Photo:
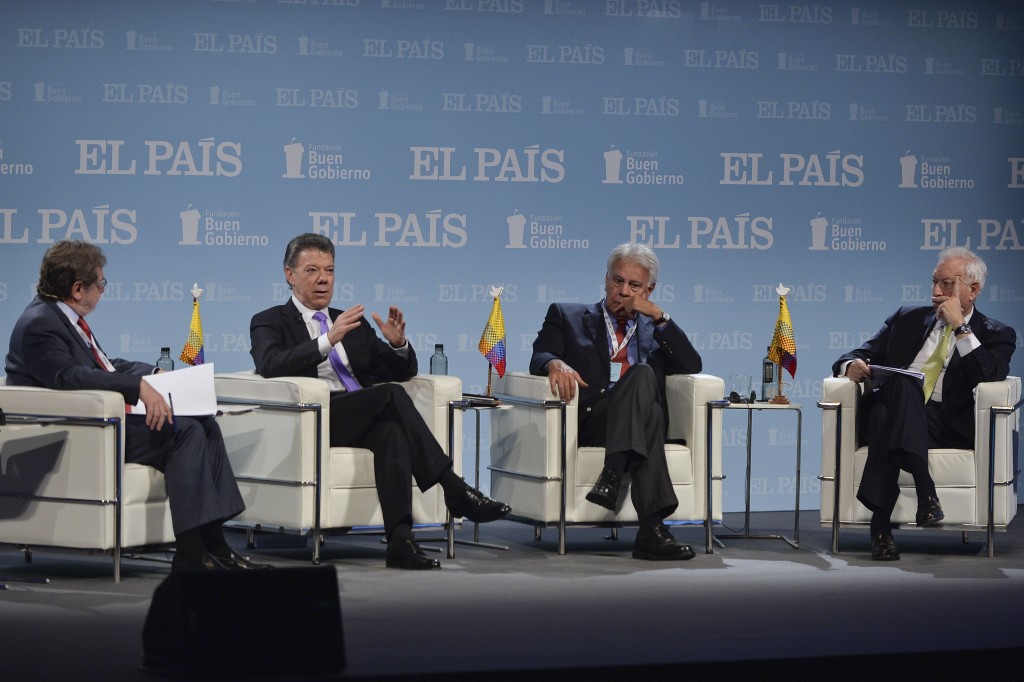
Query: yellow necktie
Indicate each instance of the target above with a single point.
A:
(934, 364)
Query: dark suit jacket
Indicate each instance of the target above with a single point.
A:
(577, 334)
(47, 351)
(904, 332)
(281, 347)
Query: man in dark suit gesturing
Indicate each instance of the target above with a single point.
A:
(956, 347)
(52, 346)
(618, 351)
(304, 337)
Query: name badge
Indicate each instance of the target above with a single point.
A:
(616, 371)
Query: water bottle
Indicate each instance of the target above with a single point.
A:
(165, 362)
(767, 377)
(438, 361)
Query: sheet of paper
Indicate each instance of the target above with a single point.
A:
(880, 371)
(189, 392)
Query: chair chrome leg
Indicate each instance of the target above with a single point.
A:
(965, 537)
(537, 533)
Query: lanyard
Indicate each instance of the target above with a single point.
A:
(613, 343)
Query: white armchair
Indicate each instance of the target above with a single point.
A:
(63, 479)
(544, 489)
(977, 487)
(292, 480)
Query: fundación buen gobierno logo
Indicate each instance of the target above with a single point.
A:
(319, 162)
(636, 167)
(930, 172)
(841, 234)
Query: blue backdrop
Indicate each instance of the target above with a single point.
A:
(448, 145)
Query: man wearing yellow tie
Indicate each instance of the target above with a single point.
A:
(956, 348)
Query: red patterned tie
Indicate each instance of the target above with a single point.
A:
(622, 356)
(96, 353)
(92, 342)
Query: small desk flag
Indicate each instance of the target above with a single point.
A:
(192, 353)
(783, 348)
(492, 342)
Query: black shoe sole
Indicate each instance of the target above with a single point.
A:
(600, 501)
(651, 556)
(401, 563)
(502, 513)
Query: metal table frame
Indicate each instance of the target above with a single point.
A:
(718, 405)
(466, 405)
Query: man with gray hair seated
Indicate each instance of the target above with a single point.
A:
(618, 351)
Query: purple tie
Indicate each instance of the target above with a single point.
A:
(347, 380)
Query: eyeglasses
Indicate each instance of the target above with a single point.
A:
(948, 283)
(634, 286)
(102, 284)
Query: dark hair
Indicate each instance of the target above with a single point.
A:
(65, 263)
(304, 242)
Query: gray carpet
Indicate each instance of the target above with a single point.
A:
(752, 607)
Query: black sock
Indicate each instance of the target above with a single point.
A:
(616, 461)
(880, 523)
(213, 537)
(190, 544)
(451, 483)
(402, 531)
(648, 523)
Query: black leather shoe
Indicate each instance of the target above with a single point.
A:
(408, 555)
(239, 562)
(883, 547)
(657, 544)
(207, 563)
(929, 513)
(605, 492)
(477, 507)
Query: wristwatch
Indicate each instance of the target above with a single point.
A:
(962, 329)
(665, 318)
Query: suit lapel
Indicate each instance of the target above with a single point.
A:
(76, 335)
(644, 337)
(593, 325)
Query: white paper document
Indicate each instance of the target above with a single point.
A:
(189, 392)
(879, 372)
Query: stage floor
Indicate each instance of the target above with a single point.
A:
(594, 613)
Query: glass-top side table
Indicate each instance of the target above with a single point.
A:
(476, 406)
(746, 534)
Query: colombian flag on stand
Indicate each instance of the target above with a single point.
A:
(783, 348)
(192, 353)
(492, 342)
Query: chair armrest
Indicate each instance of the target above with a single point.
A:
(688, 396)
(528, 387)
(255, 388)
(1005, 393)
(54, 403)
(840, 390)
(431, 394)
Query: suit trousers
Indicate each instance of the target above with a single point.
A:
(897, 424)
(382, 418)
(629, 419)
(200, 484)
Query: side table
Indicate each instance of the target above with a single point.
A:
(467, 404)
(750, 409)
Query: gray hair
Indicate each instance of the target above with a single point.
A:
(973, 264)
(641, 254)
